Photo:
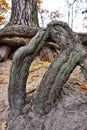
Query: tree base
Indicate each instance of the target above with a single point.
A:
(15, 36)
(70, 113)
(52, 107)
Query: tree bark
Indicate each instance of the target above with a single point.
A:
(19, 87)
(22, 25)
(24, 13)
(48, 97)
(19, 35)
(71, 53)
(18, 31)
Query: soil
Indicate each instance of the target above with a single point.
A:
(37, 70)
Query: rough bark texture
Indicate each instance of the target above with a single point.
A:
(24, 61)
(22, 32)
(23, 13)
(22, 25)
(17, 35)
(60, 70)
(18, 31)
(54, 106)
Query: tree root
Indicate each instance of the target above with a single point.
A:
(49, 92)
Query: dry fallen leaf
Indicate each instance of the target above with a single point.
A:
(39, 65)
(3, 125)
(84, 87)
(28, 91)
(46, 64)
(33, 78)
(35, 67)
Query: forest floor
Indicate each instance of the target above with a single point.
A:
(37, 70)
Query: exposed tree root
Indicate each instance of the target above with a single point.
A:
(71, 53)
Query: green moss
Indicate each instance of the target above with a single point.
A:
(74, 57)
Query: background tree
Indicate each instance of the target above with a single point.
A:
(75, 8)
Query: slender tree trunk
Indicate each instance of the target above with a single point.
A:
(72, 16)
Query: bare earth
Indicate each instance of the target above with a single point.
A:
(37, 70)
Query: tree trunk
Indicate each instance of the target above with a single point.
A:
(24, 12)
(22, 25)
(40, 108)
